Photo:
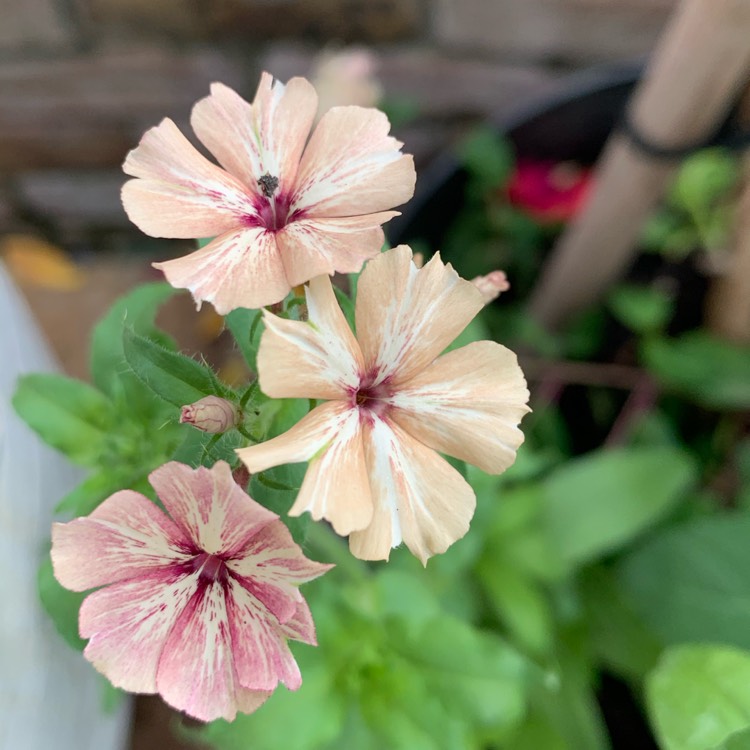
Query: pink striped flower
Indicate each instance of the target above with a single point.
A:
(197, 607)
(392, 402)
(284, 208)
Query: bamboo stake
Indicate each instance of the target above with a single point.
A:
(728, 302)
(697, 71)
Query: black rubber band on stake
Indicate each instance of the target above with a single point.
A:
(727, 136)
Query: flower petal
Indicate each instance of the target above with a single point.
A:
(271, 567)
(315, 359)
(180, 194)
(468, 404)
(405, 317)
(261, 655)
(241, 268)
(127, 535)
(209, 506)
(311, 247)
(128, 624)
(336, 485)
(265, 137)
(418, 497)
(196, 669)
(351, 166)
(300, 627)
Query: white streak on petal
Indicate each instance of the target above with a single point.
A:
(127, 535)
(468, 404)
(196, 671)
(405, 317)
(351, 166)
(418, 497)
(241, 268)
(262, 656)
(180, 193)
(319, 358)
(312, 433)
(209, 506)
(128, 624)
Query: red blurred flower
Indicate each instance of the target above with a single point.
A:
(549, 192)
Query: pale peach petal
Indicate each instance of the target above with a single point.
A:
(419, 497)
(128, 624)
(196, 671)
(336, 486)
(127, 535)
(241, 268)
(315, 359)
(405, 317)
(468, 404)
(312, 433)
(180, 194)
(261, 655)
(311, 247)
(209, 506)
(267, 137)
(271, 566)
(351, 166)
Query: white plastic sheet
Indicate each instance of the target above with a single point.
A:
(50, 697)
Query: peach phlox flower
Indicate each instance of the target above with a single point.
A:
(197, 607)
(391, 403)
(283, 209)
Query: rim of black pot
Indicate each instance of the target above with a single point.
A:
(524, 125)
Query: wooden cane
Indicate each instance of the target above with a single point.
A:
(698, 69)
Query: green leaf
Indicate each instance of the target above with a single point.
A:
(617, 634)
(60, 604)
(66, 413)
(737, 741)
(96, 488)
(596, 504)
(276, 489)
(521, 605)
(302, 720)
(174, 377)
(703, 179)
(711, 372)
(690, 583)
(476, 674)
(642, 309)
(488, 157)
(136, 310)
(699, 695)
(247, 327)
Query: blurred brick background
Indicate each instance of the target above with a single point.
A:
(80, 80)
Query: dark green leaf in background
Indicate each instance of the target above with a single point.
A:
(60, 604)
(596, 504)
(692, 582)
(711, 372)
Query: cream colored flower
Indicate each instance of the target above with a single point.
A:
(284, 208)
(392, 402)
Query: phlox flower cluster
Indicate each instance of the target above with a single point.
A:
(197, 603)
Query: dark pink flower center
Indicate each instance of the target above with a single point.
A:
(211, 568)
(371, 398)
(272, 206)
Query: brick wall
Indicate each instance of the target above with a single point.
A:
(80, 80)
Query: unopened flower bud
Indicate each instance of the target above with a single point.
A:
(210, 414)
(491, 285)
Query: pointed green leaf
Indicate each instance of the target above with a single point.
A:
(173, 377)
(66, 413)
